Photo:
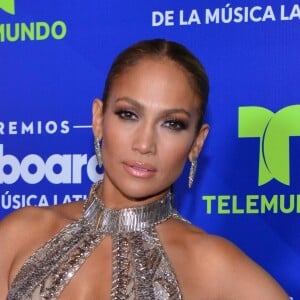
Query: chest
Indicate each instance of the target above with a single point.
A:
(84, 265)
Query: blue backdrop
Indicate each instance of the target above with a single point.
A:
(54, 56)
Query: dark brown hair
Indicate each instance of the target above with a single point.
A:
(160, 48)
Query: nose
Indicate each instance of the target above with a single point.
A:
(144, 140)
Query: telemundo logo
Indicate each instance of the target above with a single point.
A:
(8, 6)
(32, 31)
(274, 131)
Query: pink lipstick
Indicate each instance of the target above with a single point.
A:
(139, 169)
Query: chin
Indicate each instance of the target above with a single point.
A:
(139, 191)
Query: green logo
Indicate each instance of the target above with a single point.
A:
(8, 6)
(274, 131)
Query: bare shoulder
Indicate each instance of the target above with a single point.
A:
(240, 276)
(25, 230)
(215, 266)
(37, 222)
(31, 217)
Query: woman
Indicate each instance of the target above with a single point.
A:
(127, 241)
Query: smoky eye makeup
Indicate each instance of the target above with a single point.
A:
(131, 110)
(126, 111)
(176, 123)
(126, 114)
(126, 108)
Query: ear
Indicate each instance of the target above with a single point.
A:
(199, 142)
(98, 118)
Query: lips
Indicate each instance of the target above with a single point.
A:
(139, 169)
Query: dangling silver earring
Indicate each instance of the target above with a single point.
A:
(192, 172)
(98, 151)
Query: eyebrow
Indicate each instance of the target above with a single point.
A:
(130, 101)
(141, 107)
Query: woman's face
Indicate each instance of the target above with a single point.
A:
(149, 128)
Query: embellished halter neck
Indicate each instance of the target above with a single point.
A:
(127, 219)
(141, 269)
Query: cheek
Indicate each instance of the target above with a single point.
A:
(113, 145)
(113, 139)
(175, 152)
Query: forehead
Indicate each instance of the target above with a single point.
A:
(155, 79)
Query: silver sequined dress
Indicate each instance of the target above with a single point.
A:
(141, 269)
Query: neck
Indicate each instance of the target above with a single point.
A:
(114, 198)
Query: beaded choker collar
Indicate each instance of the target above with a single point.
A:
(126, 219)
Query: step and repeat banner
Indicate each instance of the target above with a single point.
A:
(54, 56)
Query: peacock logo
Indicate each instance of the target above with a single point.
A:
(8, 6)
(274, 131)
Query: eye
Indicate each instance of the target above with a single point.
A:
(126, 114)
(176, 125)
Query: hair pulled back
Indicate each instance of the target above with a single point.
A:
(159, 49)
